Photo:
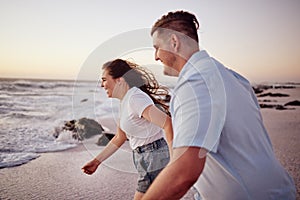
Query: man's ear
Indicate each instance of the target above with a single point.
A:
(175, 43)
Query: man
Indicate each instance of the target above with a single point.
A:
(220, 143)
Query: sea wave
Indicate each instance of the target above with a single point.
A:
(30, 110)
(15, 159)
(10, 84)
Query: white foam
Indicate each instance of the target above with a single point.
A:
(15, 159)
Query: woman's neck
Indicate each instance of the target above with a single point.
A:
(122, 91)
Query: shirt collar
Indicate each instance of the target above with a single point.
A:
(199, 55)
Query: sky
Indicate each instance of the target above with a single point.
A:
(53, 39)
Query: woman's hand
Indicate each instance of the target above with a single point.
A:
(110, 149)
(91, 166)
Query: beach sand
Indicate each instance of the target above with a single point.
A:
(58, 175)
(283, 127)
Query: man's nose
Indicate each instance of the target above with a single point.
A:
(156, 57)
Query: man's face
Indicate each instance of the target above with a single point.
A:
(163, 53)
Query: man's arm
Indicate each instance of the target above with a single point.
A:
(182, 172)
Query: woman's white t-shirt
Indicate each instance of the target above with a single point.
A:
(139, 131)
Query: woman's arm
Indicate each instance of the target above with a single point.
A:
(110, 148)
(161, 119)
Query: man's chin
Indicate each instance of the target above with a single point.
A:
(169, 71)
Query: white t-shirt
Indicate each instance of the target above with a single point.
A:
(139, 131)
(216, 109)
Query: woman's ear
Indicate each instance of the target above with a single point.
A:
(122, 80)
(117, 80)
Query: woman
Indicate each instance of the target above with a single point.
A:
(143, 120)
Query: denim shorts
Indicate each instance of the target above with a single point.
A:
(149, 160)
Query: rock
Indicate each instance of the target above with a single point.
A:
(266, 105)
(280, 107)
(104, 139)
(276, 106)
(81, 129)
(273, 95)
(69, 125)
(87, 128)
(293, 103)
(266, 100)
(257, 90)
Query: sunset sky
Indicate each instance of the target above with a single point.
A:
(51, 39)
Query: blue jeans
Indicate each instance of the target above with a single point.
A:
(149, 160)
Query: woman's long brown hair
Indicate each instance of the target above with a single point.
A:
(139, 77)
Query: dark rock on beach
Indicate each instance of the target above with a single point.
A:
(275, 86)
(276, 106)
(293, 103)
(273, 95)
(85, 128)
(266, 100)
(81, 129)
(69, 125)
(270, 90)
(257, 90)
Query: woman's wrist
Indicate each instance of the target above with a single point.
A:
(97, 161)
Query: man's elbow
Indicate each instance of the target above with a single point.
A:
(192, 176)
(190, 166)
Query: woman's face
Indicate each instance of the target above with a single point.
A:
(108, 83)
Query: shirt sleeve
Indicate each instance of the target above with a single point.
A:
(139, 102)
(199, 109)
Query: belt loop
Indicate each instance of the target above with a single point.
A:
(155, 145)
(158, 143)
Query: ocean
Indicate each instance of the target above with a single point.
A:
(31, 111)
